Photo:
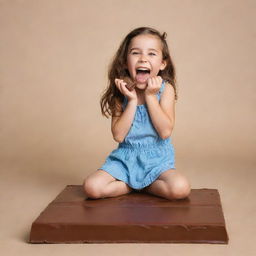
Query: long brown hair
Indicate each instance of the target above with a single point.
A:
(117, 69)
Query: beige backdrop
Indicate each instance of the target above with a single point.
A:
(54, 57)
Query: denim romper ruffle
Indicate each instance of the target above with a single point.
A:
(143, 155)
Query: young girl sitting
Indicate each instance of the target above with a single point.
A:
(140, 99)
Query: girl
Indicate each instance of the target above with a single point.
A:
(142, 121)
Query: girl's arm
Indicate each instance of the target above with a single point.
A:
(120, 125)
(162, 113)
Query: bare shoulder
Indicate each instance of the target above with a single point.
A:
(168, 92)
(168, 95)
(167, 101)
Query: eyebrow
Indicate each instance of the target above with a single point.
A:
(151, 49)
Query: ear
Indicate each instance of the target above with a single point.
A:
(163, 65)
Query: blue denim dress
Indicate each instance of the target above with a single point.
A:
(143, 155)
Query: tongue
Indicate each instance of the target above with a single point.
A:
(142, 77)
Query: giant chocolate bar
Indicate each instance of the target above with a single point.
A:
(137, 217)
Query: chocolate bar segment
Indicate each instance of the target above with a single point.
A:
(130, 83)
(133, 218)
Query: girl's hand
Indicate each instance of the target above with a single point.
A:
(121, 85)
(154, 85)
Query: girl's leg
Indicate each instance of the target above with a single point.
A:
(171, 184)
(101, 184)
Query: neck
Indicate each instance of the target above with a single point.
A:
(141, 96)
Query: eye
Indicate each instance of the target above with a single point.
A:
(151, 53)
(135, 53)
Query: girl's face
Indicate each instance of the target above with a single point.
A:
(144, 59)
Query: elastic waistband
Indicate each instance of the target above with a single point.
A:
(157, 144)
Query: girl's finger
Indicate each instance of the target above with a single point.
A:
(150, 81)
(117, 84)
(125, 87)
(154, 81)
(126, 91)
(122, 87)
(116, 81)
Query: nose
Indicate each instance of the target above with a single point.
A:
(142, 58)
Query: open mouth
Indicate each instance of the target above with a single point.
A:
(142, 75)
(142, 71)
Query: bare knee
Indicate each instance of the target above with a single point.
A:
(92, 189)
(180, 189)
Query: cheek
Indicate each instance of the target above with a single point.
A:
(130, 64)
(158, 64)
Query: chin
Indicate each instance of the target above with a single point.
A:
(141, 86)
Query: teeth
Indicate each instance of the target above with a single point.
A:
(143, 69)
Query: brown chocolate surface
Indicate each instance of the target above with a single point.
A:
(133, 218)
(130, 83)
